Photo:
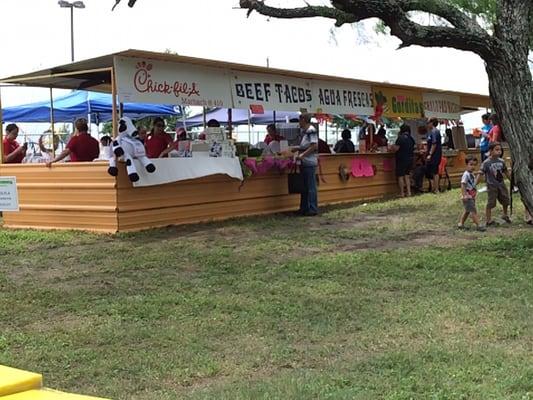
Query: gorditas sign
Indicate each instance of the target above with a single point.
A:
(151, 81)
(392, 102)
(273, 92)
(443, 106)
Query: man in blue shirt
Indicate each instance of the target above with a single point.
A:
(434, 153)
(484, 142)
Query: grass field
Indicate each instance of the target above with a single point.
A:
(378, 301)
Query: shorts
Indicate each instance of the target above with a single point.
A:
(499, 193)
(470, 205)
(432, 169)
(403, 168)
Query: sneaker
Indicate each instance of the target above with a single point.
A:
(461, 227)
(530, 222)
(506, 219)
(490, 223)
(481, 228)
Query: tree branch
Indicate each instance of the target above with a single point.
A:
(466, 34)
(301, 12)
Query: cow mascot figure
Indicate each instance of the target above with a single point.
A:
(129, 147)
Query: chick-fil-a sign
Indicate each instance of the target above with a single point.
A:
(153, 81)
(143, 83)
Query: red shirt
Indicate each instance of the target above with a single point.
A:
(9, 147)
(83, 147)
(495, 134)
(269, 139)
(155, 144)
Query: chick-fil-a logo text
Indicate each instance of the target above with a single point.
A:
(144, 84)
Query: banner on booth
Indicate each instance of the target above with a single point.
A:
(342, 98)
(273, 92)
(444, 106)
(152, 81)
(402, 103)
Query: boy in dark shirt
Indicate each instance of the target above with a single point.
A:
(494, 169)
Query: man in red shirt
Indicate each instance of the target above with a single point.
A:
(13, 152)
(81, 147)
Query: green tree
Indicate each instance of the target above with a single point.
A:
(498, 31)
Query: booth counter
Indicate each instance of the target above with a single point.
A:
(83, 196)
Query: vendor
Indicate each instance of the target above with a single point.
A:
(380, 139)
(81, 146)
(345, 145)
(272, 134)
(158, 140)
(181, 135)
(142, 134)
(13, 152)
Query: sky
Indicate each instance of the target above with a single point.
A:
(36, 34)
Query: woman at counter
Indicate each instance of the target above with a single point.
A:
(158, 140)
(272, 134)
(404, 149)
(345, 145)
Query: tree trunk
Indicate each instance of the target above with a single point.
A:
(511, 91)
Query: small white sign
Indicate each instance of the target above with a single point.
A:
(9, 200)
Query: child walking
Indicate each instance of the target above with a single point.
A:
(469, 192)
(494, 169)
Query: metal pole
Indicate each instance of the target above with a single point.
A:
(249, 128)
(204, 118)
(114, 102)
(52, 123)
(230, 127)
(72, 33)
(183, 119)
(1, 131)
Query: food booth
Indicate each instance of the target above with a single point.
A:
(84, 196)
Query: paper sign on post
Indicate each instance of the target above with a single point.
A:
(8, 194)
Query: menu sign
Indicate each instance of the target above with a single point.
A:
(439, 105)
(341, 98)
(8, 194)
(273, 92)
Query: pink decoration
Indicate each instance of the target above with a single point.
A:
(251, 163)
(361, 167)
(388, 165)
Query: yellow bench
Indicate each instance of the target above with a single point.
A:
(16, 384)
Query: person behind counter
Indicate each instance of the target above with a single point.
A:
(272, 134)
(404, 149)
(380, 139)
(81, 146)
(345, 145)
(308, 157)
(158, 140)
(434, 154)
(181, 135)
(14, 153)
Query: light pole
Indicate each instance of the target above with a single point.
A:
(72, 6)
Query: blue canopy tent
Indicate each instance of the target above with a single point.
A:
(240, 117)
(80, 104)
